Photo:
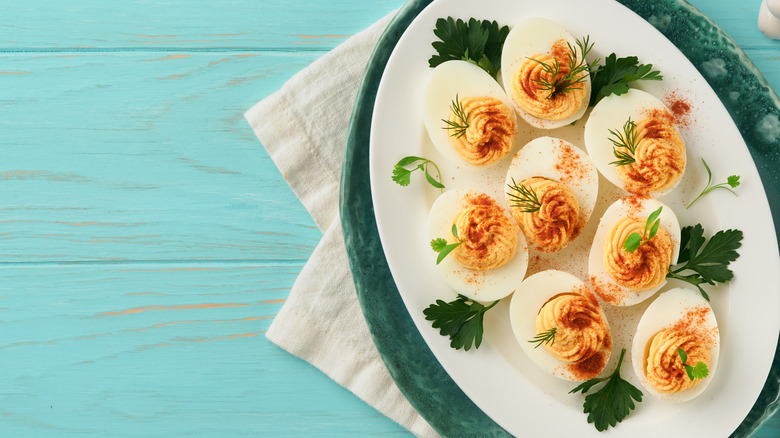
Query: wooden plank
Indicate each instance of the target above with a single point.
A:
(160, 350)
(170, 25)
(137, 156)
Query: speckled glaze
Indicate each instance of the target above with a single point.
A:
(745, 93)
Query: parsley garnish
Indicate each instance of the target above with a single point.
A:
(624, 140)
(699, 371)
(613, 402)
(634, 240)
(479, 42)
(403, 176)
(576, 69)
(440, 245)
(460, 125)
(709, 262)
(461, 320)
(523, 197)
(614, 76)
(546, 337)
(731, 183)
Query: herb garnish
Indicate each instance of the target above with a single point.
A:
(524, 198)
(546, 337)
(709, 262)
(440, 245)
(614, 76)
(613, 402)
(575, 71)
(624, 140)
(403, 176)
(732, 182)
(699, 371)
(460, 125)
(461, 320)
(634, 240)
(479, 42)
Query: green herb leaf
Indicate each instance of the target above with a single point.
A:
(613, 402)
(460, 319)
(699, 371)
(624, 144)
(479, 42)
(457, 127)
(709, 262)
(632, 243)
(440, 245)
(732, 182)
(559, 80)
(403, 176)
(524, 198)
(546, 337)
(614, 76)
(634, 240)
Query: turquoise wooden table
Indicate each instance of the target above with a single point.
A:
(148, 240)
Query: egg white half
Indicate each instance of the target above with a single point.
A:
(628, 206)
(527, 300)
(611, 113)
(529, 38)
(666, 311)
(561, 161)
(446, 81)
(489, 285)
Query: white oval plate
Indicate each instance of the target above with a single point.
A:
(498, 377)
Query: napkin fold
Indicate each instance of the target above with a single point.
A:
(303, 126)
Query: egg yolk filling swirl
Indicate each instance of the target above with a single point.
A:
(490, 133)
(582, 336)
(662, 364)
(488, 237)
(555, 223)
(643, 269)
(659, 156)
(530, 94)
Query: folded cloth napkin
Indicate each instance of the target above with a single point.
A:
(303, 126)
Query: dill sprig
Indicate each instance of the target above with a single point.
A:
(524, 198)
(624, 140)
(576, 71)
(546, 337)
(460, 125)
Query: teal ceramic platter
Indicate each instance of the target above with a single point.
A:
(753, 108)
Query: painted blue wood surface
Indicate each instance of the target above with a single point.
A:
(147, 238)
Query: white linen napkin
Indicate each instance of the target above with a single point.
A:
(303, 126)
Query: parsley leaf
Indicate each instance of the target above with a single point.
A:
(732, 182)
(634, 240)
(403, 176)
(709, 262)
(614, 76)
(460, 319)
(613, 402)
(479, 42)
(699, 371)
(440, 245)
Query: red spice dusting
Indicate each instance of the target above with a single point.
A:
(634, 204)
(569, 165)
(560, 51)
(589, 368)
(680, 108)
(694, 322)
(611, 293)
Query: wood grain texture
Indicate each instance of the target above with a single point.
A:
(147, 240)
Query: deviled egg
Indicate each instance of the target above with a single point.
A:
(552, 187)
(560, 325)
(545, 73)
(634, 141)
(467, 115)
(624, 277)
(678, 318)
(492, 257)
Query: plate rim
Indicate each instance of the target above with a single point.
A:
(441, 400)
